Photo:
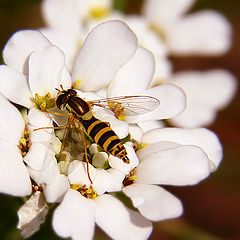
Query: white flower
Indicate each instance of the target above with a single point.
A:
(207, 92)
(171, 157)
(82, 207)
(17, 147)
(34, 66)
(204, 32)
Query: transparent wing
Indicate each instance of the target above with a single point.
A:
(127, 105)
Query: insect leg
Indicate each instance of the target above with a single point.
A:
(85, 151)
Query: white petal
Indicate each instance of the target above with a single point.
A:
(149, 125)
(77, 173)
(45, 70)
(38, 119)
(11, 82)
(155, 148)
(163, 70)
(74, 217)
(203, 90)
(163, 12)
(154, 202)
(117, 178)
(55, 191)
(69, 18)
(147, 37)
(203, 33)
(106, 48)
(39, 155)
(14, 178)
(20, 46)
(183, 165)
(118, 164)
(119, 222)
(67, 42)
(66, 79)
(200, 137)
(11, 122)
(45, 176)
(134, 76)
(101, 181)
(172, 102)
(135, 132)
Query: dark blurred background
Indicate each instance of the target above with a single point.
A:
(211, 208)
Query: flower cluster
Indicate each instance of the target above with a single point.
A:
(165, 28)
(48, 155)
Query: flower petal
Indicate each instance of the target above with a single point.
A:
(149, 125)
(172, 102)
(11, 122)
(118, 221)
(117, 178)
(77, 173)
(45, 70)
(142, 153)
(200, 137)
(38, 119)
(101, 181)
(68, 43)
(203, 33)
(11, 82)
(147, 37)
(163, 12)
(106, 48)
(20, 46)
(183, 165)
(39, 155)
(74, 217)
(118, 163)
(14, 178)
(54, 192)
(163, 71)
(136, 74)
(154, 202)
(45, 176)
(203, 90)
(69, 19)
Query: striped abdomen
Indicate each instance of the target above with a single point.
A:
(104, 136)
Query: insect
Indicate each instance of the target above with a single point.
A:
(99, 131)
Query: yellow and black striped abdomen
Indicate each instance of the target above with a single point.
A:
(103, 135)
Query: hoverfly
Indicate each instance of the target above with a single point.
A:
(99, 131)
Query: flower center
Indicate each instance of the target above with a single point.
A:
(130, 178)
(86, 192)
(25, 142)
(44, 102)
(35, 187)
(98, 11)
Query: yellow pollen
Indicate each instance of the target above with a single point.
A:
(77, 83)
(25, 142)
(98, 11)
(130, 178)
(44, 102)
(140, 146)
(86, 192)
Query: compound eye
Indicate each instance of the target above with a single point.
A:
(72, 92)
(61, 101)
